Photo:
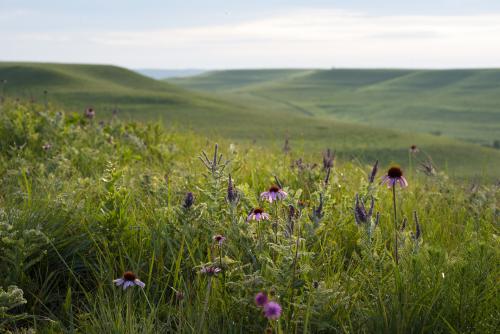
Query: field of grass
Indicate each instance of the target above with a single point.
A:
(241, 118)
(82, 202)
(462, 104)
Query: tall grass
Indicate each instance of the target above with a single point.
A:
(107, 198)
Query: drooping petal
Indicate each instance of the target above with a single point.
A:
(118, 281)
(138, 282)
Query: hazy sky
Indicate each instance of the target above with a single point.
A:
(253, 33)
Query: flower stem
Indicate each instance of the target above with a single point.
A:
(395, 223)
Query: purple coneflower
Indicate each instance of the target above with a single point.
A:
(210, 271)
(274, 193)
(90, 113)
(414, 149)
(219, 238)
(46, 147)
(129, 279)
(261, 299)
(272, 310)
(395, 176)
(258, 214)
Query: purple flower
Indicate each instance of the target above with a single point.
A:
(258, 214)
(372, 175)
(261, 299)
(274, 193)
(272, 310)
(46, 147)
(414, 149)
(128, 279)
(210, 271)
(90, 113)
(394, 176)
(219, 238)
(188, 200)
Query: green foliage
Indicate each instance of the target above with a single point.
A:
(108, 198)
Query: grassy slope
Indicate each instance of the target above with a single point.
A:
(458, 103)
(97, 203)
(107, 87)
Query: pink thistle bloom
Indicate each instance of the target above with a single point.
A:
(393, 177)
(273, 194)
(261, 299)
(219, 239)
(128, 279)
(272, 310)
(258, 214)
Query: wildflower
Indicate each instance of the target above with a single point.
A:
(179, 295)
(328, 159)
(219, 239)
(261, 299)
(46, 147)
(414, 149)
(394, 176)
(317, 212)
(274, 193)
(232, 193)
(418, 229)
(90, 113)
(188, 200)
(210, 271)
(128, 279)
(258, 214)
(360, 214)
(272, 310)
(371, 178)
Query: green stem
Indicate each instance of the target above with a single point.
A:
(395, 223)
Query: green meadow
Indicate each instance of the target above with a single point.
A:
(356, 113)
(109, 225)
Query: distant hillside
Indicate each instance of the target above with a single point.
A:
(165, 74)
(463, 104)
(242, 116)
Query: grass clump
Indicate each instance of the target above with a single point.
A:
(83, 202)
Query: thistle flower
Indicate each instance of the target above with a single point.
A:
(258, 214)
(372, 175)
(261, 299)
(274, 193)
(128, 279)
(272, 310)
(394, 176)
(219, 239)
(232, 193)
(188, 200)
(90, 113)
(210, 271)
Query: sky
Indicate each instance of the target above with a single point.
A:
(216, 34)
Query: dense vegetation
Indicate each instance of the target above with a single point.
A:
(247, 117)
(83, 201)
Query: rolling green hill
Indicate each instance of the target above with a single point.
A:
(252, 113)
(462, 104)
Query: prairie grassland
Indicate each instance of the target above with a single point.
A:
(82, 202)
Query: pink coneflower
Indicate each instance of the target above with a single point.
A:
(210, 271)
(90, 113)
(274, 193)
(272, 310)
(395, 176)
(414, 149)
(128, 279)
(261, 299)
(258, 214)
(219, 238)
(46, 147)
